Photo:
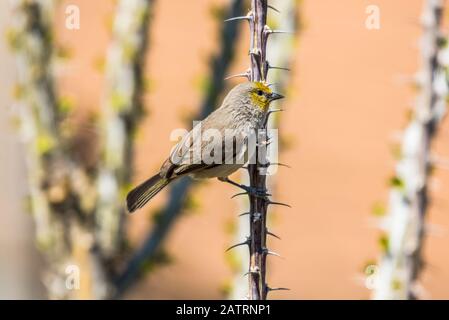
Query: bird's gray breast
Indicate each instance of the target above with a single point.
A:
(247, 116)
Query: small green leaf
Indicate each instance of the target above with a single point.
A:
(217, 12)
(378, 209)
(234, 261)
(230, 227)
(44, 143)
(431, 169)
(12, 38)
(397, 182)
(99, 64)
(117, 101)
(384, 243)
(396, 284)
(226, 288)
(396, 151)
(156, 215)
(192, 203)
(161, 258)
(202, 83)
(18, 91)
(441, 42)
(63, 53)
(368, 264)
(65, 105)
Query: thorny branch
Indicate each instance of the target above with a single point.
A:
(258, 71)
(258, 205)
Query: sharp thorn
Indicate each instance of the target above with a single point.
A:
(247, 17)
(241, 186)
(279, 204)
(277, 289)
(272, 253)
(273, 235)
(239, 75)
(280, 165)
(269, 113)
(266, 165)
(273, 8)
(276, 164)
(278, 68)
(246, 242)
(278, 31)
(244, 214)
(274, 67)
(248, 190)
(239, 194)
(282, 31)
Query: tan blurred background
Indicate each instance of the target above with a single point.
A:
(347, 102)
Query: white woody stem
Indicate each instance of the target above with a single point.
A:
(64, 193)
(123, 111)
(404, 224)
(50, 169)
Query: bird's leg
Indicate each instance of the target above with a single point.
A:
(250, 190)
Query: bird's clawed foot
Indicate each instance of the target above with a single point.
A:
(248, 190)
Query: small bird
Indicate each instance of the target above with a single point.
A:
(243, 109)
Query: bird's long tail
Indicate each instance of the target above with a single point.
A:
(143, 193)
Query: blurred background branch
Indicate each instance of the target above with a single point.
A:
(123, 110)
(409, 199)
(49, 169)
(79, 220)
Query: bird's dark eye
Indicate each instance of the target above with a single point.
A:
(259, 92)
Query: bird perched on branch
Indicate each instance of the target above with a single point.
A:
(206, 152)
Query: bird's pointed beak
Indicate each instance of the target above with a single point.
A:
(275, 96)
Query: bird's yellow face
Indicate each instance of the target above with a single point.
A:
(261, 95)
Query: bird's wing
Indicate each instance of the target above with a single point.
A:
(182, 152)
(205, 147)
